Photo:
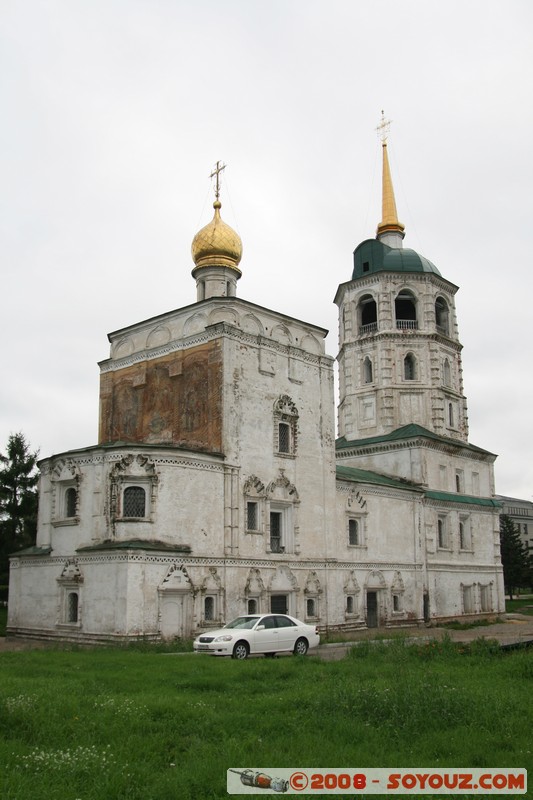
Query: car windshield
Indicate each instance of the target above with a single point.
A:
(242, 622)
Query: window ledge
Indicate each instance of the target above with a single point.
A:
(61, 523)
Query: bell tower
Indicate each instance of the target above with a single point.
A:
(399, 349)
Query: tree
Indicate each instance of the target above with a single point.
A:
(18, 500)
(515, 556)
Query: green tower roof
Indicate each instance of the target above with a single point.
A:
(375, 256)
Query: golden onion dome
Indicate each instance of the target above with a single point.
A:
(217, 245)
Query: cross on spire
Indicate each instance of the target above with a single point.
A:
(216, 174)
(383, 128)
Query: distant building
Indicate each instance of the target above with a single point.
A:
(217, 487)
(521, 513)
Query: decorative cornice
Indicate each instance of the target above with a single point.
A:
(453, 566)
(394, 336)
(115, 454)
(417, 442)
(209, 334)
(133, 556)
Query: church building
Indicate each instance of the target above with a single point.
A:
(218, 488)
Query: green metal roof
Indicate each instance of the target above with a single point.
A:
(376, 478)
(33, 551)
(449, 497)
(410, 431)
(374, 256)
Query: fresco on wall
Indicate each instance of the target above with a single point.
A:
(175, 399)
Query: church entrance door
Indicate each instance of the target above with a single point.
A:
(175, 615)
(278, 604)
(372, 609)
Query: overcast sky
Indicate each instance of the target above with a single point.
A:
(115, 111)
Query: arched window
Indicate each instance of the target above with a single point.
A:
(252, 606)
(285, 426)
(134, 502)
(446, 373)
(451, 420)
(409, 367)
(349, 604)
(368, 314)
(209, 608)
(310, 607)
(442, 316)
(442, 533)
(405, 310)
(72, 607)
(71, 497)
(367, 370)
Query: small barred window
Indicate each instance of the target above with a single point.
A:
(284, 434)
(70, 502)
(72, 607)
(353, 532)
(209, 609)
(134, 502)
(251, 516)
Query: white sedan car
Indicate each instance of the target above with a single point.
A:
(259, 633)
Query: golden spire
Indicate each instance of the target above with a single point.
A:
(389, 216)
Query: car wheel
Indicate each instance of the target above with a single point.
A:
(301, 647)
(241, 651)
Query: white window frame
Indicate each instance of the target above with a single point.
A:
(443, 542)
(286, 413)
(465, 533)
(353, 598)
(253, 502)
(61, 518)
(358, 519)
(397, 602)
(253, 599)
(214, 615)
(141, 483)
(467, 592)
(69, 587)
(314, 599)
(285, 510)
(485, 598)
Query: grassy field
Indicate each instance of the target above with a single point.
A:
(125, 724)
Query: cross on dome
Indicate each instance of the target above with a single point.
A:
(216, 174)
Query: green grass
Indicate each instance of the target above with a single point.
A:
(126, 725)
(456, 625)
(522, 605)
